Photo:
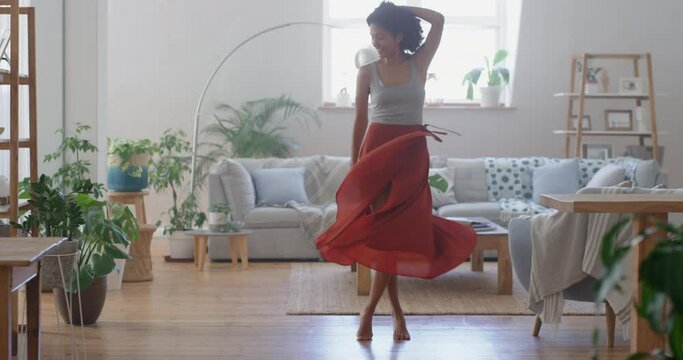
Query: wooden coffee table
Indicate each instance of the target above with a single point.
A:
(496, 239)
(238, 243)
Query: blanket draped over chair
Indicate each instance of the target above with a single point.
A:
(566, 248)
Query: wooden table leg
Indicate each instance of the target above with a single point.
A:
(477, 260)
(6, 316)
(196, 250)
(234, 249)
(504, 267)
(363, 279)
(244, 253)
(643, 339)
(33, 317)
(203, 241)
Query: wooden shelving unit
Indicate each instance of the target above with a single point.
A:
(15, 80)
(579, 96)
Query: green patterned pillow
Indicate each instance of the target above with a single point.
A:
(511, 178)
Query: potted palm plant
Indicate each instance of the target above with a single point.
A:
(170, 166)
(128, 164)
(496, 75)
(255, 130)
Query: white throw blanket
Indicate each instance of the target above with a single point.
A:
(317, 218)
(565, 249)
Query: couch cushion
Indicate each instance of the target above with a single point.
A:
(485, 209)
(470, 179)
(510, 178)
(560, 178)
(437, 178)
(237, 186)
(646, 173)
(272, 217)
(279, 185)
(312, 165)
(609, 175)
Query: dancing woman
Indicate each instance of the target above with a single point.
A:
(384, 218)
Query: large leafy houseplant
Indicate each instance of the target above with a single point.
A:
(255, 130)
(170, 166)
(661, 284)
(76, 167)
(79, 216)
(496, 74)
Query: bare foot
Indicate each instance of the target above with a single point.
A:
(365, 328)
(400, 329)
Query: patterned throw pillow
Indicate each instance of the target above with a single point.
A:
(441, 184)
(510, 178)
(512, 208)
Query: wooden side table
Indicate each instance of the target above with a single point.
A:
(238, 244)
(136, 199)
(19, 265)
(649, 208)
(140, 267)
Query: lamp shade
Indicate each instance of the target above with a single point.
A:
(365, 56)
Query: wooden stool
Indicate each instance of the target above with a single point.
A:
(134, 198)
(140, 267)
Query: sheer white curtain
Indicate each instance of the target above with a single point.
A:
(24, 164)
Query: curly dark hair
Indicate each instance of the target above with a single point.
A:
(398, 20)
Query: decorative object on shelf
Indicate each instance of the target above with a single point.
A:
(631, 86)
(4, 190)
(618, 120)
(592, 86)
(343, 98)
(642, 119)
(497, 77)
(597, 151)
(585, 124)
(4, 41)
(644, 152)
(604, 81)
(432, 91)
(365, 56)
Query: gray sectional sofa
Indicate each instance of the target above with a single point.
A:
(494, 188)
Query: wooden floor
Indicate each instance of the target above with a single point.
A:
(233, 314)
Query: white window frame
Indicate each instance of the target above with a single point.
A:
(498, 23)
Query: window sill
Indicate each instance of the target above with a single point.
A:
(475, 107)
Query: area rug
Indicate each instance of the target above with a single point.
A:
(330, 289)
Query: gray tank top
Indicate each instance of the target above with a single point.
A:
(397, 104)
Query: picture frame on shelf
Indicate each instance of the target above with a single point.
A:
(618, 120)
(585, 124)
(596, 151)
(630, 86)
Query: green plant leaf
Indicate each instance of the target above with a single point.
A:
(500, 55)
(656, 270)
(103, 264)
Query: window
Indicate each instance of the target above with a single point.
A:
(473, 29)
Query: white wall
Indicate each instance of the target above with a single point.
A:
(160, 53)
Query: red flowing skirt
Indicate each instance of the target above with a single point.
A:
(401, 237)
